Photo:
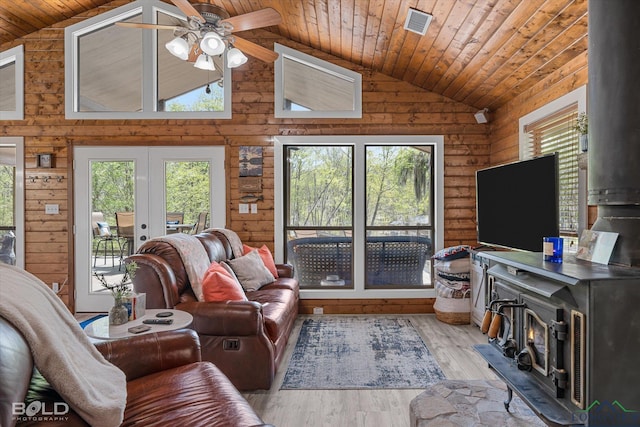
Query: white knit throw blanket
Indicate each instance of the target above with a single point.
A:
(193, 256)
(234, 240)
(64, 355)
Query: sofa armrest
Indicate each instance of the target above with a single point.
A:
(229, 318)
(155, 277)
(142, 355)
(285, 270)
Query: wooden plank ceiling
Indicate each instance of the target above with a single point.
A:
(480, 52)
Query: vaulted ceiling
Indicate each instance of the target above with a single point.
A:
(480, 52)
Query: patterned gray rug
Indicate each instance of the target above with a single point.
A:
(359, 353)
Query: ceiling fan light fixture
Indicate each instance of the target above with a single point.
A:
(235, 58)
(212, 43)
(204, 62)
(178, 47)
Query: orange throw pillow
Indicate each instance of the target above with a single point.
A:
(219, 285)
(265, 255)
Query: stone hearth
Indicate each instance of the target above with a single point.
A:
(456, 403)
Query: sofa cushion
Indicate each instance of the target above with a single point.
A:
(184, 396)
(219, 285)
(251, 271)
(277, 305)
(267, 257)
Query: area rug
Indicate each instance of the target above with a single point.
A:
(360, 352)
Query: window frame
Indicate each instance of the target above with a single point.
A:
(579, 97)
(15, 55)
(360, 142)
(318, 64)
(149, 10)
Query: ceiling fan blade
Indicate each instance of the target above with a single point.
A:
(149, 26)
(258, 19)
(255, 50)
(188, 10)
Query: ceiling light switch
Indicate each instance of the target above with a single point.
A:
(243, 208)
(254, 208)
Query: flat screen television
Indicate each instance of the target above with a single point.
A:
(517, 203)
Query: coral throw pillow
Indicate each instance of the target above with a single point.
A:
(219, 285)
(267, 258)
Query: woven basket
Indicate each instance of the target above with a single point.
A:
(455, 311)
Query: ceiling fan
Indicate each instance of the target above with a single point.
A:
(209, 31)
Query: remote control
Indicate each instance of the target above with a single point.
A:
(164, 314)
(158, 321)
(139, 329)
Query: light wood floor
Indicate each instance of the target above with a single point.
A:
(451, 346)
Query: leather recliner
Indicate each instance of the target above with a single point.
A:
(167, 384)
(245, 339)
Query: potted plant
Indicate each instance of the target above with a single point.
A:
(119, 314)
(582, 127)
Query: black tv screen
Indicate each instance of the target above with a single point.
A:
(517, 203)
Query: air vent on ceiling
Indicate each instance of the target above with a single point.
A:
(417, 21)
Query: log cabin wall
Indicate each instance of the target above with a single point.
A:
(389, 107)
(504, 128)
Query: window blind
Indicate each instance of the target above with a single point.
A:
(555, 133)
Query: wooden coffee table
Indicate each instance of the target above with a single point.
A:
(100, 328)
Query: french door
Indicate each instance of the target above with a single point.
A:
(127, 195)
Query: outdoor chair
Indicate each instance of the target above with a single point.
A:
(174, 218)
(125, 222)
(102, 235)
(7, 248)
(201, 223)
(391, 260)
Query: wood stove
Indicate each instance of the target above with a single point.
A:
(565, 337)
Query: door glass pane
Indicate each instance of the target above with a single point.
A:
(399, 207)
(110, 73)
(319, 222)
(7, 206)
(187, 196)
(112, 218)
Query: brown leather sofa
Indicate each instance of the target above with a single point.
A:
(167, 384)
(245, 339)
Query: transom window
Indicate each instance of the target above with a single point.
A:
(309, 87)
(12, 84)
(114, 72)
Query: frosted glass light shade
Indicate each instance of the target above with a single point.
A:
(212, 44)
(178, 47)
(204, 62)
(235, 58)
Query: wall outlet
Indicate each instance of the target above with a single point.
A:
(56, 287)
(51, 209)
(318, 310)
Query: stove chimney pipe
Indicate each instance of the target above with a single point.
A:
(614, 123)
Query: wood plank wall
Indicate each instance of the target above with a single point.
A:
(389, 107)
(504, 128)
